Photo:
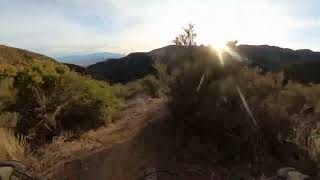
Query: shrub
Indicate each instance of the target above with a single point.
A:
(205, 104)
(163, 77)
(50, 98)
(212, 109)
(73, 102)
(149, 85)
(7, 92)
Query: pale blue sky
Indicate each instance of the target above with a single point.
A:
(59, 27)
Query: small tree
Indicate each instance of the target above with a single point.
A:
(232, 44)
(187, 38)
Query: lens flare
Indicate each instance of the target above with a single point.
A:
(237, 56)
(200, 83)
(220, 51)
(246, 106)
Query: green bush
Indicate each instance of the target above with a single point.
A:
(7, 92)
(149, 86)
(50, 98)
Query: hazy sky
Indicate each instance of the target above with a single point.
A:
(59, 27)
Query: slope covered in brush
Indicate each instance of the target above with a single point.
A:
(40, 97)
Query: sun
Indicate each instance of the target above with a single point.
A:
(219, 48)
(218, 45)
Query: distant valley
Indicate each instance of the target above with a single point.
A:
(88, 59)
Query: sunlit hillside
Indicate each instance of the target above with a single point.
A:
(157, 90)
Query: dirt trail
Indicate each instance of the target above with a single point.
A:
(140, 141)
(137, 142)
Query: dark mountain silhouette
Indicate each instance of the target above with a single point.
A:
(301, 65)
(131, 67)
(277, 55)
(84, 71)
(172, 52)
(308, 72)
(272, 58)
(137, 65)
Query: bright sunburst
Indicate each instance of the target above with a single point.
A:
(219, 45)
(220, 48)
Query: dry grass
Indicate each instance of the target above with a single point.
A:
(314, 146)
(12, 147)
(61, 148)
(307, 136)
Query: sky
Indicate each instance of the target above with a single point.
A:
(61, 27)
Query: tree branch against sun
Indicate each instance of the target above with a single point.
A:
(187, 38)
(220, 45)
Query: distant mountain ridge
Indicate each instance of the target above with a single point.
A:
(277, 54)
(84, 71)
(88, 59)
(129, 68)
(301, 65)
(269, 58)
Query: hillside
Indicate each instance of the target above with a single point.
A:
(304, 72)
(269, 58)
(274, 58)
(300, 65)
(171, 53)
(84, 71)
(88, 59)
(129, 68)
(137, 65)
(14, 61)
(40, 97)
(13, 58)
(17, 56)
(277, 55)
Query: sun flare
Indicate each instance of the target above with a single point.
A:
(220, 48)
(219, 45)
